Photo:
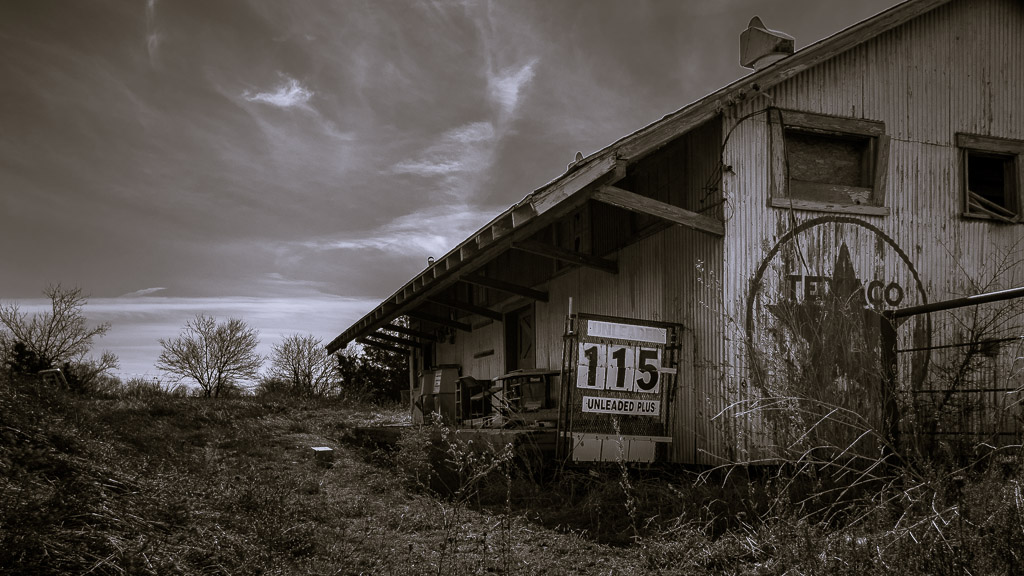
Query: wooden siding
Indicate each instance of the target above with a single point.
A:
(955, 69)
(469, 349)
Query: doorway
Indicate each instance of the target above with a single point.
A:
(520, 339)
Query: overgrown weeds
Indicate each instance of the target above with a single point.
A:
(171, 485)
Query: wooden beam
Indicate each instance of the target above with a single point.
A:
(408, 331)
(523, 213)
(439, 320)
(394, 339)
(505, 287)
(501, 226)
(556, 253)
(606, 167)
(467, 307)
(367, 341)
(485, 237)
(644, 205)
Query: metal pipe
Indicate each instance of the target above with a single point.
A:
(956, 303)
(978, 343)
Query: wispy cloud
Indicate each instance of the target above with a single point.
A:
(433, 232)
(471, 133)
(287, 95)
(506, 86)
(427, 167)
(143, 292)
(461, 149)
(152, 36)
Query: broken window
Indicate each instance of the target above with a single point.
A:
(991, 177)
(827, 163)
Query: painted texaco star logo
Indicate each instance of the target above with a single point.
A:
(815, 308)
(840, 331)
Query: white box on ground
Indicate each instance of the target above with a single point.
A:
(323, 454)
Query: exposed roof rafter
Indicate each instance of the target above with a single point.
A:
(644, 205)
(394, 339)
(466, 307)
(439, 320)
(509, 287)
(367, 341)
(408, 331)
(556, 253)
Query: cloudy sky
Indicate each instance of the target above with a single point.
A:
(294, 163)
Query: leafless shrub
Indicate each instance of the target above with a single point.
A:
(218, 357)
(60, 338)
(303, 364)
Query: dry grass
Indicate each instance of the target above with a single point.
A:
(171, 485)
(156, 484)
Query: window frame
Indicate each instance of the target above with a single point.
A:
(840, 128)
(1009, 150)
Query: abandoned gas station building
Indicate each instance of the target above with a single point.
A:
(662, 297)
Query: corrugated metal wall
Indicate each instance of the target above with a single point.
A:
(480, 354)
(959, 68)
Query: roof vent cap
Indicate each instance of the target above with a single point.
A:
(761, 47)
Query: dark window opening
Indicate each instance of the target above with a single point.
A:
(991, 176)
(990, 184)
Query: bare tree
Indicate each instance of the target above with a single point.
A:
(216, 356)
(303, 363)
(60, 335)
(58, 338)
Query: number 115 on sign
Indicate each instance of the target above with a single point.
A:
(618, 367)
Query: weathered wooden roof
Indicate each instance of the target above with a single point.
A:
(590, 176)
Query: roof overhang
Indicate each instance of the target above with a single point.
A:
(591, 177)
(512, 228)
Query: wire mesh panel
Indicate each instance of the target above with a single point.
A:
(618, 377)
(971, 395)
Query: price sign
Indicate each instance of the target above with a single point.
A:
(618, 367)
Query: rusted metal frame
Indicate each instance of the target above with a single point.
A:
(556, 253)
(641, 204)
(439, 320)
(367, 341)
(509, 287)
(466, 307)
